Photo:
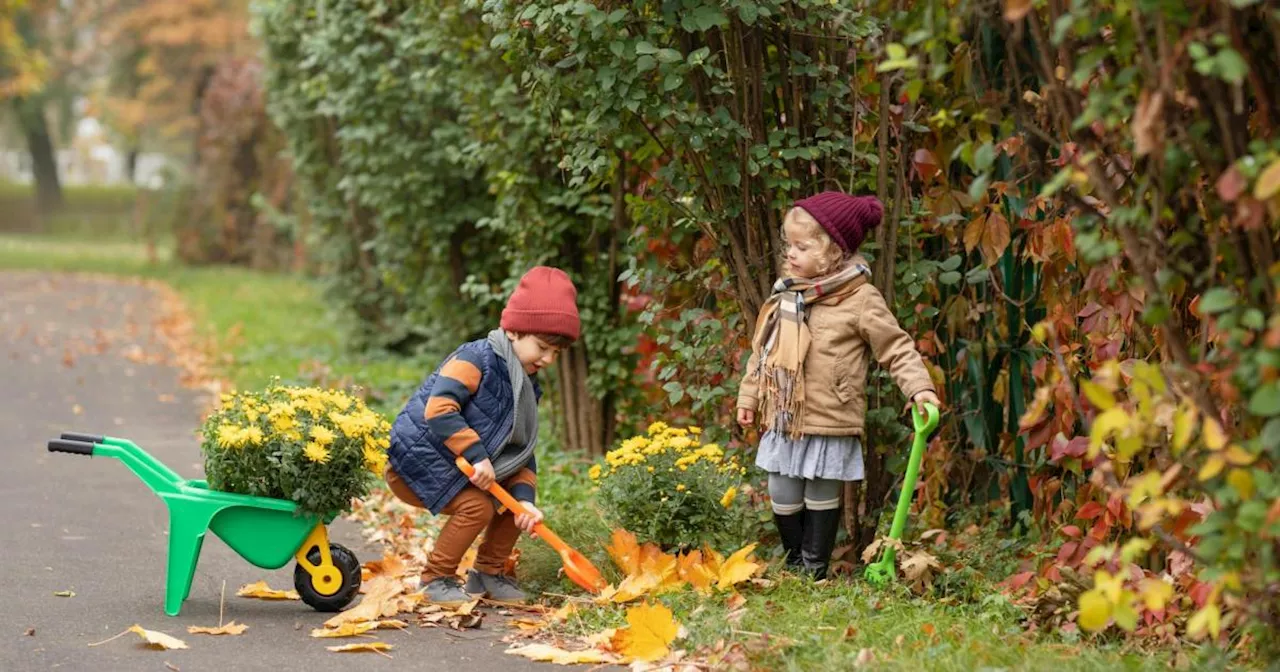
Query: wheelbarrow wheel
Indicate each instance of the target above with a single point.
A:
(349, 567)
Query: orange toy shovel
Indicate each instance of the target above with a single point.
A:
(576, 566)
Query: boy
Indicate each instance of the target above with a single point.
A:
(481, 404)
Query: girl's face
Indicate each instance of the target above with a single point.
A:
(807, 256)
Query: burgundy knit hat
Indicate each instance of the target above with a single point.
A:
(545, 302)
(847, 219)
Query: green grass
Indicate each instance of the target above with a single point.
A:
(91, 213)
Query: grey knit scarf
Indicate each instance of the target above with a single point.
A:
(517, 450)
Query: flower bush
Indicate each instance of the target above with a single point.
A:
(665, 486)
(318, 448)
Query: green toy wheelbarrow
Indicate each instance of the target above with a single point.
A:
(265, 531)
(885, 570)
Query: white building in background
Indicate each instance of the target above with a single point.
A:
(91, 160)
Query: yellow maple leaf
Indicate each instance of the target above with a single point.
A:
(158, 640)
(231, 628)
(625, 552)
(380, 598)
(737, 568)
(391, 564)
(691, 568)
(551, 654)
(1156, 593)
(262, 591)
(649, 633)
(345, 630)
(363, 647)
(1208, 618)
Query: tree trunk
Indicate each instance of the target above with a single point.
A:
(44, 163)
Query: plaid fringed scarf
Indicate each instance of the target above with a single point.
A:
(782, 339)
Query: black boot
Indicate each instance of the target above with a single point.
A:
(820, 529)
(791, 529)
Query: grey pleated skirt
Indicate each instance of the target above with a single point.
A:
(835, 457)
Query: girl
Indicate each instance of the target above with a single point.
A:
(807, 374)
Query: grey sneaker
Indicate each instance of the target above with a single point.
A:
(446, 591)
(497, 587)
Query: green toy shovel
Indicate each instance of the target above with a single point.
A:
(882, 572)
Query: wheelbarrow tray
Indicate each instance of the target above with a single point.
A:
(265, 531)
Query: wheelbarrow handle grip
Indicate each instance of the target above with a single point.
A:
(75, 447)
(88, 438)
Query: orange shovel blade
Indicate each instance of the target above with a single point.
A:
(576, 566)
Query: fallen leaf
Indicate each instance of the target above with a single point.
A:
(919, 568)
(865, 657)
(625, 552)
(736, 602)
(649, 632)
(391, 565)
(231, 628)
(262, 591)
(31, 632)
(526, 624)
(376, 603)
(691, 568)
(550, 654)
(171, 666)
(363, 647)
(64, 593)
(468, 561)
(158, 640)
(737, 568)
(345, 630)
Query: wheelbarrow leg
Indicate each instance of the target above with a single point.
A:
(187, 526)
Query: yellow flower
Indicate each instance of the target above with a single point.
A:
(651, 470)
(322, 435)
(695, 430)
(680, 487)
(728, 496)
(680, 442)
(251, 413)
(594, 472)
(230, 436)
(374, 460)
(316, 452)
(657, 428)
(253, 435)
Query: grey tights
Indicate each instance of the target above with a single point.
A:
(793, 495)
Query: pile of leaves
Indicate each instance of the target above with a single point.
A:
(319, 448)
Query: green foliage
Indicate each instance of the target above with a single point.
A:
(319, 448)
(665, 486)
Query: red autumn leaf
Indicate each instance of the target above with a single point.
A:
(1089, 511)
(1072, 531)
(925, 163)
(1017, 581)
(1231, 184)
(1068, 549)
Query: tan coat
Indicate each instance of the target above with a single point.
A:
(845, 332)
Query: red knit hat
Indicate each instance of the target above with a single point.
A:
(847, 219)
(545, 302)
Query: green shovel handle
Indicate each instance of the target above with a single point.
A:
(924, 425)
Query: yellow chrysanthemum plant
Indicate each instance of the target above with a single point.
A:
(319, 448)
(667, 487)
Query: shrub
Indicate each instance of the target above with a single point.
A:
(319, 448)
(665, 486)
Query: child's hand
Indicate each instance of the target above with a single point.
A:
(921, 399)
(528, 521)
(746, 417)
(483, 476)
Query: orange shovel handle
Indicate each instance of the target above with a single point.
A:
(516, 507)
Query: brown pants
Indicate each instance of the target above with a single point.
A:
(473, 511)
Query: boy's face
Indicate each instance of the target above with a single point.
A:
(534, 353)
